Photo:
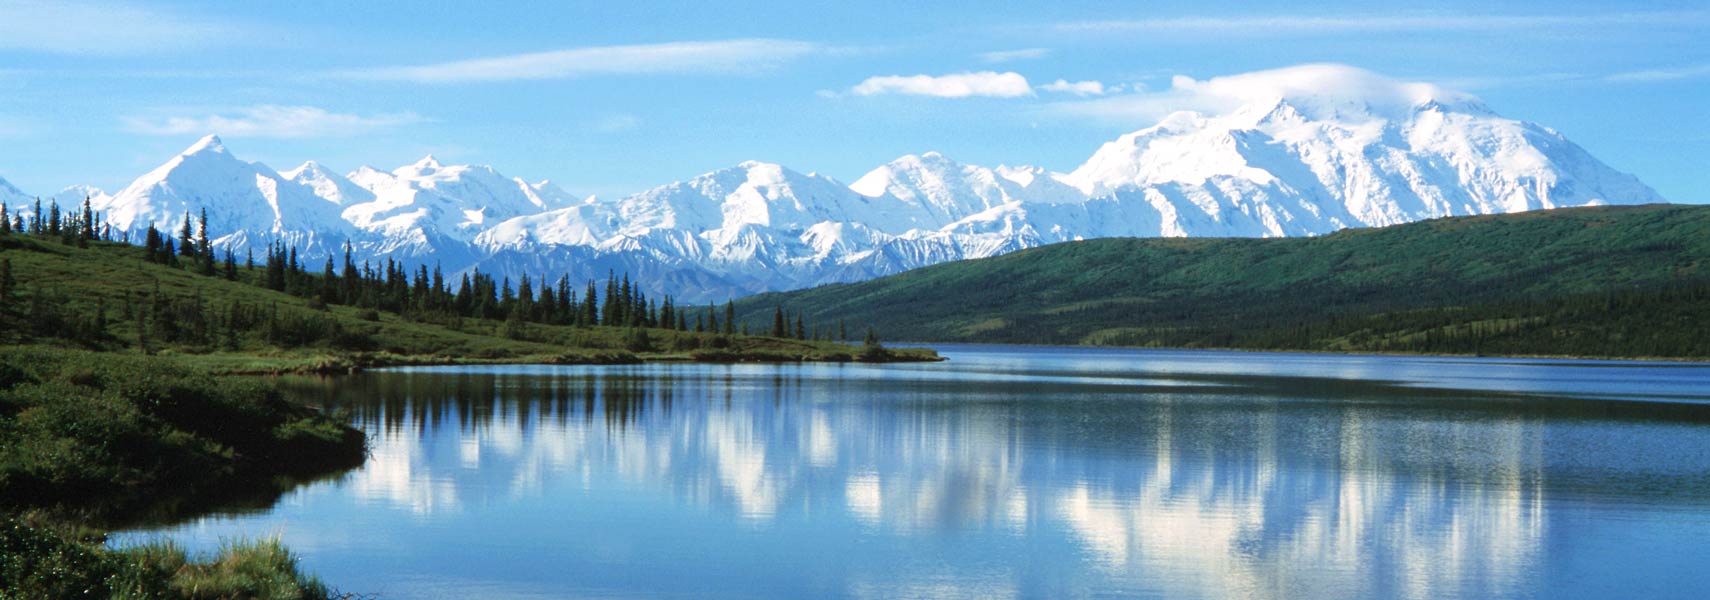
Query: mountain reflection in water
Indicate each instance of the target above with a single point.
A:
(1012, 476)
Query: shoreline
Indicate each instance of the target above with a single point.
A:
(1704, 360)
(337, 364)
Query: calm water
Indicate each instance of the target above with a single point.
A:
(1015, 472)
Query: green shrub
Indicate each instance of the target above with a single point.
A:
(100, 435)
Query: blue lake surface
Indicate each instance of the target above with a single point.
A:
(1013, 472)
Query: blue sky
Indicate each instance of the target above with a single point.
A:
(615, 97)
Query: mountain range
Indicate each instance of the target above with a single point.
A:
(1295, 164)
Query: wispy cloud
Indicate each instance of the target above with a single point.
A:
(1665, 74)
(1003, 56)
(1078, 88)
(1324, 84)
(956, 85)
(1313, 24)
(740, 56)
(81, 27)
(271, 121)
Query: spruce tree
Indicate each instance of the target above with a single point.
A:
(151, 245)
(730, 319)
(329, 283)
(590, 306)
(203, 247)
(88, 219)
(779, 329)
(5, 219)
(801, 331)
(186, 239)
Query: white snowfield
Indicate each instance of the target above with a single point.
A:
(1284, 161)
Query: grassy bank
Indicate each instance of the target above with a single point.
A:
(44, 561)
(92, 441)
(109, 439)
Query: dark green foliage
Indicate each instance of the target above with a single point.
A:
(37, 562)
(6, 283)
(636, 339)
(1609, 281)
(122, 436)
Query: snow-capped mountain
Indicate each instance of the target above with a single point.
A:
(1346, 149)
(944, 191)
(12, 196)
(251, 204)
(75, 195)
(429, 211)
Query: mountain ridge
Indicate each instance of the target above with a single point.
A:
(1296, 162)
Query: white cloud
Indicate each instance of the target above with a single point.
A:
(955, 85)
(1656, 75)
(79, 27)
(1314, 85)
(1314, 24)
(271, 121)
(1078, 88)
(1003, 56)
(727, 56)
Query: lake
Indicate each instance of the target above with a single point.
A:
(1013, 472)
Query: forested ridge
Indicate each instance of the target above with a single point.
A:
(1604, 281)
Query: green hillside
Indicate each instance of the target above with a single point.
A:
(1605, 281)
(105, 296)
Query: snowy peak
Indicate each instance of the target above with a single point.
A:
(427, 164)
(208, 144)
(11, 195)
(431, 204)
(945, 191)
(1298, 155)
(77, 194)
(328, 185)
(249, 200)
